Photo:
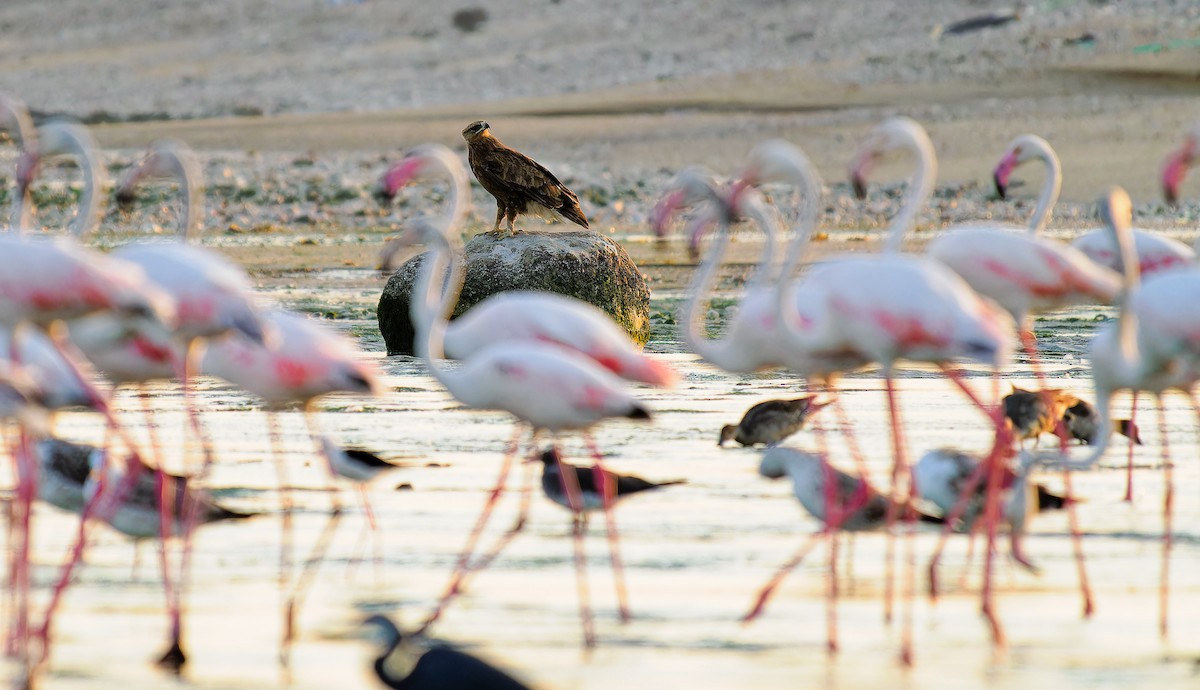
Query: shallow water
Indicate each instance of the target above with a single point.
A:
(695, 554)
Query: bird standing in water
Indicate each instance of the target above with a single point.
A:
(771, 421)
(553, 469)
(519, 183)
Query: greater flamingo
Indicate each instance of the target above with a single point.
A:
(45, 281)
(1179, 162)
(1155, 252)
(297, 361)
(1152, 347)
(894, 307)
(549, 387)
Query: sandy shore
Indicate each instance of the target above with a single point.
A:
(616, 99)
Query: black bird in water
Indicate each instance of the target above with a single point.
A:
(771, 421)
(589, 490)
(404, 666)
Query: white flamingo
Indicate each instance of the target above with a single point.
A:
(1153, 346)
(1155, 252)
(551, 388)
(297, 361)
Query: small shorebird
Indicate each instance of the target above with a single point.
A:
(592, 497)
(404, 666)
(771, 421)
(1034, 413)
(942, 477)
(841, 502)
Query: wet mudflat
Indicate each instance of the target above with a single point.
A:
(695, 554)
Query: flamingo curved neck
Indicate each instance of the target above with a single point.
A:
(809, 186)
(713, 350)
(429, 312)
(72, 140)
(1051, 186)
(459, 201)
(14, 117)
(920, 187)
(191, 189)
(1127, 364)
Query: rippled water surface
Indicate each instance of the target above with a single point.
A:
(695, 554)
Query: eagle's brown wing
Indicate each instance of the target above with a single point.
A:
(522, 177)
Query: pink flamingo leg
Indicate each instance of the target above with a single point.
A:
(900, 496)
(285, 548)
(174, 657)
(316, 556)
(519, 523)
(1128, 498)
(764, 594)
(1085, 588)
(608, 491)
(570, 485)
(1168, 505)
(462, 565)
(834, 517)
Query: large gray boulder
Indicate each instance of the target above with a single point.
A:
(583, 265)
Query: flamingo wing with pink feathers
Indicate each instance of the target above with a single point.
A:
(1023, 272)
(553, 318)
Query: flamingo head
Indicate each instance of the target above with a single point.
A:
(156, 163)
(418, 231)
(1176, 168)
(691, 186)
(664, 211)
(861, 167)
(397, 176)
(1004, 170)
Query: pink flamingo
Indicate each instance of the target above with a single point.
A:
(1153, 346)
(297, 362)
(516, 316)
(894, 307)
(1154, 252)
(549, 387)
(212, 295)
(520, 314)
(45, 281)
(1179, 162)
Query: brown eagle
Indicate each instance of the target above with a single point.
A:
(519, 183)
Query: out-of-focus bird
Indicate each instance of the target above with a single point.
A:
(1155, 252)
(1179, 162)
(136, 513)
(404, 665)
(519, 183)
(587, 479)
(941, 477)
(771, 421)
(1034, 413)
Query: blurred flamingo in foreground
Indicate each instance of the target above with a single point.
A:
(549, 387)
(1153, 346)
(298, 361)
